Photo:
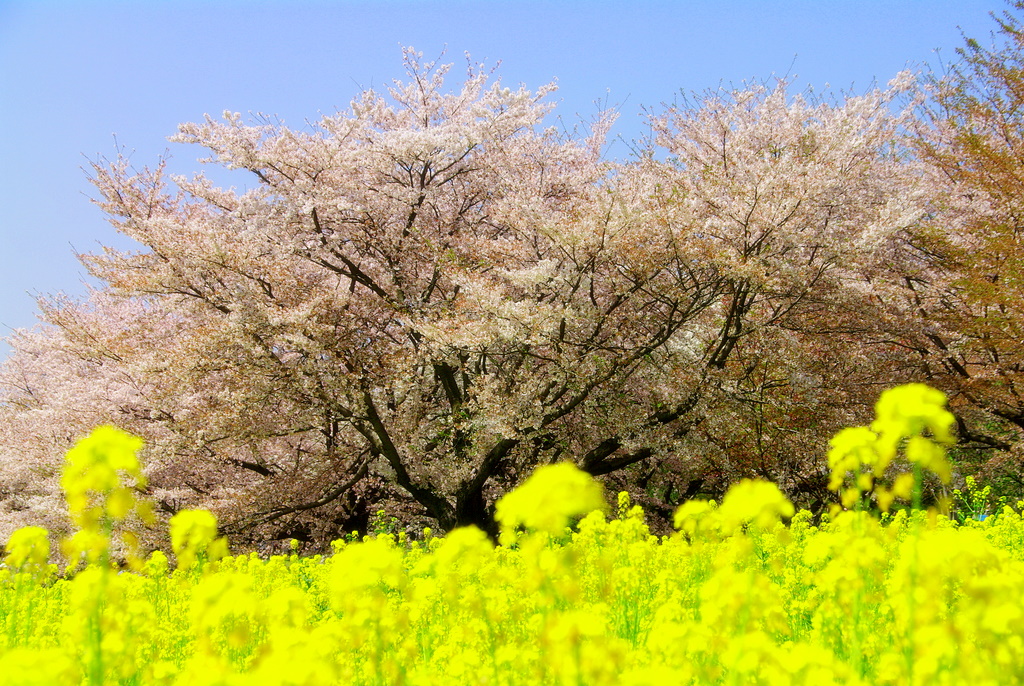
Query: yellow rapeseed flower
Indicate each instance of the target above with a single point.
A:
(912, 414)
(194, 535)
(911, 409)
(549, 499)
(29, 546)
(754, 502)
(851, 450)
(92, 474)
(32, 666)
(689, 516)
(100, 478)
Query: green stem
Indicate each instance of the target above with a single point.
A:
(915, 534)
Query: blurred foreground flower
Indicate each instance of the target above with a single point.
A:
(912, 416)
(549, 499)
(194, 537)
(28, 547)
(101, 476)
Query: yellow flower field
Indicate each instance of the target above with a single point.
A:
(746, 592)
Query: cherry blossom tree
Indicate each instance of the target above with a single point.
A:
(801, 205)
(428, 286)
(432, 290)
(968, 289)
(55, 390)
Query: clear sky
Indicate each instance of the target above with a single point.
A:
(74, 74)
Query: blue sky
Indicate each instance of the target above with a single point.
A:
(75, 74)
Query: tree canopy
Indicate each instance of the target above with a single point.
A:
(429, 294)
